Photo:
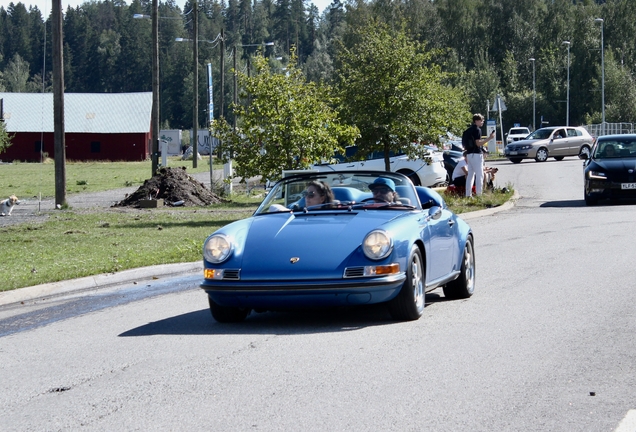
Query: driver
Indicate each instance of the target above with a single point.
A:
(383, 189)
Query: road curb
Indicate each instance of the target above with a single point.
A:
(488, 212)
(154, 272)
(97, 281)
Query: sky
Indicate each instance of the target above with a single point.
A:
(45, 5)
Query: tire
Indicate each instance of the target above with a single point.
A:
(409, 304)
(585, 150)
(559, 158)
(224, 314)
(590, 201)
(464, 286)
(542, 155)
(412, 176)
(515, 160)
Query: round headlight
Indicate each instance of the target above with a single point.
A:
(377, 245)
(217, 248)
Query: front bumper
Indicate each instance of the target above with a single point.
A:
(269, 294)
(523, 154)
(603, 189)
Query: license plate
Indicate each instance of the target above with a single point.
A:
(628, 185)
(512, 153)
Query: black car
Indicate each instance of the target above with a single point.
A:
(610, 169)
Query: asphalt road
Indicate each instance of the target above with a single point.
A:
(546, 343)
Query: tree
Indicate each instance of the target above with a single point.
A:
(392, 91)
(16, 75)
(5, 138)
(288, 124)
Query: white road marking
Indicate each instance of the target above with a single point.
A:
(628, 424)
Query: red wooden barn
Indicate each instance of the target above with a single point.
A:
(98, 126)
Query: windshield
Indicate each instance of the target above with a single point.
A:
(615, 149)
(540, 134)
(522, 131)
(341, 190)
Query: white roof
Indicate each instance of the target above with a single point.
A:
(83, 112)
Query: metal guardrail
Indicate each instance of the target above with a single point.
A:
(610, 128)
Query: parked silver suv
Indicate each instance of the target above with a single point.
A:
(556, 141)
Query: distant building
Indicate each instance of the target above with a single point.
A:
(98, 126)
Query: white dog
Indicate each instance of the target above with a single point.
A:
(7, 205)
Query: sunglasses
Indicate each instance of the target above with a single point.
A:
(309, 194)
(381, 190)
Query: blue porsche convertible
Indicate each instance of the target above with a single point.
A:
(339, 238)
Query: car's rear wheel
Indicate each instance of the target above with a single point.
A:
(225, 314)
(410, 301)
(515, 160)
(559, 158)
(542, 155)
(412, 176)
(464, 285)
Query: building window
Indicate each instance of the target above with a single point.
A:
(38, 146)
(95, 147)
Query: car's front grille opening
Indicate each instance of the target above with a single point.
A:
(233, 274)
(351, 272)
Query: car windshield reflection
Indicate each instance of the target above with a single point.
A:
(341, 191)
(615, 149)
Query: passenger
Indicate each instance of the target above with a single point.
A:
(459, 173)
(383, 189)
(317, 193)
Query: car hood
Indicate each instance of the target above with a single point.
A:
(614, 165)
(320, 243)
(530, 141)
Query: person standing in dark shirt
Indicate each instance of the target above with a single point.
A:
(474, 155)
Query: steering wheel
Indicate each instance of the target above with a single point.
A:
(375, 200)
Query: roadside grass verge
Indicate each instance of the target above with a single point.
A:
(32, 179)
(74, 244)
(489, 199)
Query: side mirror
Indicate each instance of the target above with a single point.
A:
(435, 212)
(583, 156)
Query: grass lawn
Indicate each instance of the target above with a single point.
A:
(33, 179)
(78, 243)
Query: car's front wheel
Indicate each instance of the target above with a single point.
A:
(590, 201)
(542, 155)
(225, 314)
(515, 160)
(464, 285)
(585, 150)
(410, 301)
(559, 158)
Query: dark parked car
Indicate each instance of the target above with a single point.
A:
(610, 170)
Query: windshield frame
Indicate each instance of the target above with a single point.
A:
(349, 189)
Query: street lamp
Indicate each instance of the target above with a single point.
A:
(600, 20)
(235, 71)
(154, 122)
(567, 112)
(534, 97)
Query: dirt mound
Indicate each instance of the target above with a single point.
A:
(175, 187)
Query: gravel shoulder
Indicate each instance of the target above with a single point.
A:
(35, 210)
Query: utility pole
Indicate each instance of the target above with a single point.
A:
(58, 106)
(195, 114)
(154, 148)
(222, 80)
